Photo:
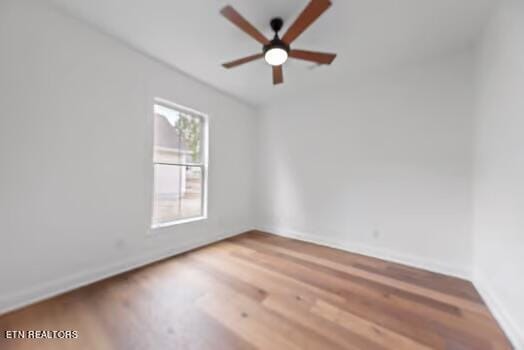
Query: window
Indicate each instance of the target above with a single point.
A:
(180, 165)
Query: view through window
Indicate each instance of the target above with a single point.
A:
(179, 165)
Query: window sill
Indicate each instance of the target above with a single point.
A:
(177, 222)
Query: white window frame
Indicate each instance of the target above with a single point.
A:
(203, 165)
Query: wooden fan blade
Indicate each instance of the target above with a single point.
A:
(278, 77)
(231, 14)
(318, 57)
(312, 11)
(242, 60)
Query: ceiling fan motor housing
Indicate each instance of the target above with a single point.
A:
(276, 43)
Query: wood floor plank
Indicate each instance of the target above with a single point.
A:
(460, 289)
(298, 311)
(271, 279)
(419, 277)
(332, 281)
(426, 293)
(343, 281)
(260, 291)
(263, 328)
(367, 306)
(381, 335)
(246, 327)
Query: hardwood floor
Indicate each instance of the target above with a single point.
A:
(259, 291)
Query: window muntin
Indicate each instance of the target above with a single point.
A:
(180, 168)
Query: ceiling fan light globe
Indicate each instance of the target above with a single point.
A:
(276, 56)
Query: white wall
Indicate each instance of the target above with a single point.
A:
(76, 155)
(382, 168)
(499, 171)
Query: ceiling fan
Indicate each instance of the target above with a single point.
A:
(277, 50)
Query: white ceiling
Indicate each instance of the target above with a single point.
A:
(368, 35)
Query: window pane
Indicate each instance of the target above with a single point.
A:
(177, 136)
(178, 193)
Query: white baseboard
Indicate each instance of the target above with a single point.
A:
(380, 253)
(65, 284)
(501, 314)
